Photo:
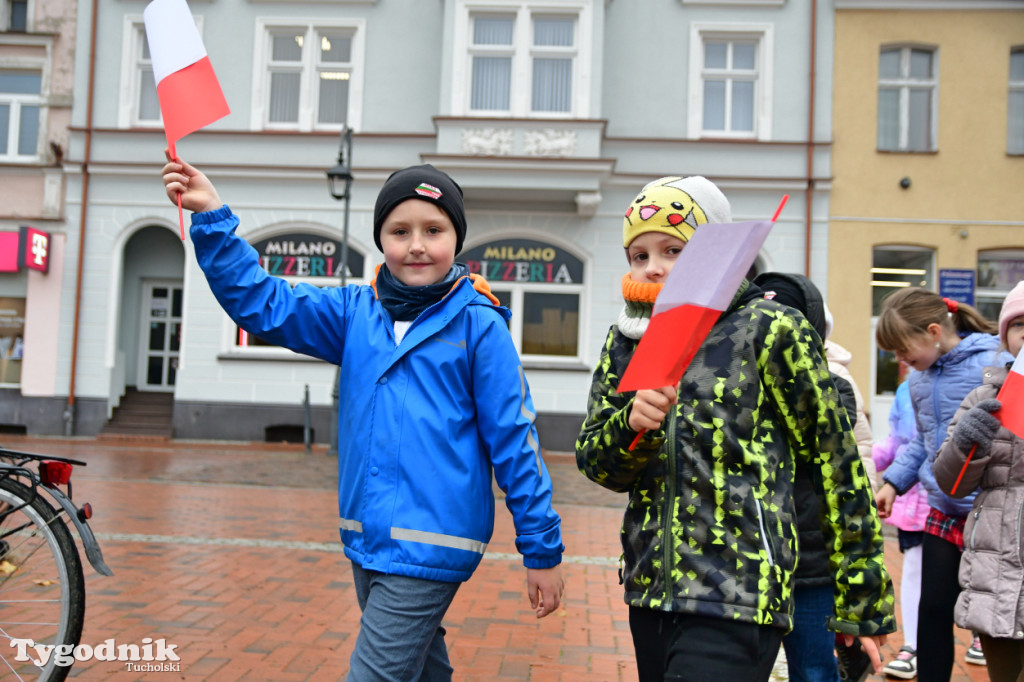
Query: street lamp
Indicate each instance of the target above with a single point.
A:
(339, 184)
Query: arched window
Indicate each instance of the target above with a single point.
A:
(301, 256)
(541, 284)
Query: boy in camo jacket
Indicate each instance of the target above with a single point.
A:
(709, 535)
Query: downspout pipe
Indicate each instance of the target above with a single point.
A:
(69, 410)
(809, 198)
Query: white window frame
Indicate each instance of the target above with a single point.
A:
(523, 52)
(517, 292)
(307, 104)
(6, 11)
(18, 101)
(905, 84)
(132, 65)
(1015, 87)
(764, 36)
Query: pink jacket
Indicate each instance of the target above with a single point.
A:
(910, 509)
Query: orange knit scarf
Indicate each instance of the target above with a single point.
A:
(640, 292)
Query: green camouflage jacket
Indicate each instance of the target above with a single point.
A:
(711, 493)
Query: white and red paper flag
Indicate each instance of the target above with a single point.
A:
(701, 285)
(1011, 395)
(189, 93)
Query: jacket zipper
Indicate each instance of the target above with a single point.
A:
(939, 435)
(974, 528)
(1020, 547)
(764, 533)
(670, 503)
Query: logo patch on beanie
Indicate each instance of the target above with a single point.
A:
(428, 191)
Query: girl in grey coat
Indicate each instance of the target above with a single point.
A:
(992, 568)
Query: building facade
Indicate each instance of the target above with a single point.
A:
(551, 115)
(928, 159)
(37, 53)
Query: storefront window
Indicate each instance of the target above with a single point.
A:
(12, 339)
(550, 324)
(541, 284)
(998, 272)
(893, 268)
(302, 257)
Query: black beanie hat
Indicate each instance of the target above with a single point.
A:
(421, 182)
(795, 291)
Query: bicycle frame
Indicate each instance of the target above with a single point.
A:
(32, 480)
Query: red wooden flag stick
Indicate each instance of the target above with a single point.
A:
(963, 471)
(785, 198)
(181, 217)
(778, 210)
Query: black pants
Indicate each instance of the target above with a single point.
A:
(1004, 658)
(686, 648)
(940, 565)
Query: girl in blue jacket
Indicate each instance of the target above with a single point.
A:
(949, 344)
(433, 399)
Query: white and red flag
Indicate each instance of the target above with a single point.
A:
(188, 90)
(701, 285)
(1011, 395)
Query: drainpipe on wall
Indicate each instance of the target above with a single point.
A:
(69, 410)
(808, 217)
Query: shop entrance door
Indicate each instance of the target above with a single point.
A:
(160, 338)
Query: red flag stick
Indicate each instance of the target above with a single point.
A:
(778, 210)
(181, 217)
(964, 469)
(785, 198)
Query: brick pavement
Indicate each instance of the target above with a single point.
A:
(230, 552)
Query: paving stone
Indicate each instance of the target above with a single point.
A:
(231, 551)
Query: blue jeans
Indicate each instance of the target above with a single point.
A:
(400, 634)
(810, 646)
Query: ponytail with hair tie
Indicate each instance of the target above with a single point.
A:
(908, 311)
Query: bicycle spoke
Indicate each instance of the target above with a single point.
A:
(41, 586)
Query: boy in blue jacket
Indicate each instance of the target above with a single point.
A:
(433, 398)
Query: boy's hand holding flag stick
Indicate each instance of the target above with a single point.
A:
(190, 96)
(700, 286)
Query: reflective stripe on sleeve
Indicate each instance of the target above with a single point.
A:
(348, 524)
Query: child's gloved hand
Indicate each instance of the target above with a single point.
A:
(977, 425)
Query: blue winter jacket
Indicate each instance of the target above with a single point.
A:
(936, 393)
(422, 423)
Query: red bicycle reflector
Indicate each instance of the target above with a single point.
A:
(54, 473)
(85, 513)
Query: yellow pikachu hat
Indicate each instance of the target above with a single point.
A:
(676, 206)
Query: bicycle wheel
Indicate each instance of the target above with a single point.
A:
(42, 591)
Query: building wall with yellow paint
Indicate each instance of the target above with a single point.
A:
(965, 197)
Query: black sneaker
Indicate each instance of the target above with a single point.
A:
(854, 663)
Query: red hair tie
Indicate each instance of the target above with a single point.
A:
(951, 305)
